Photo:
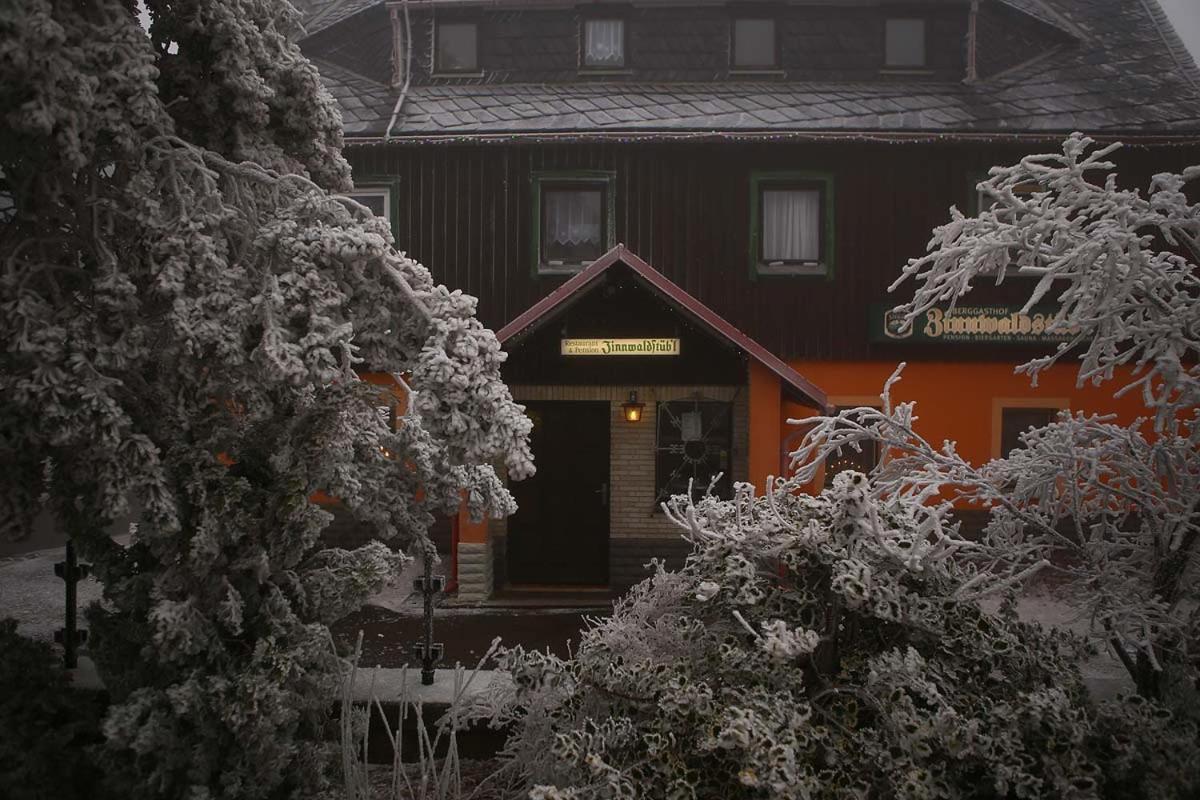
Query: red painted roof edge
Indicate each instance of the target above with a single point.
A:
(703, 313)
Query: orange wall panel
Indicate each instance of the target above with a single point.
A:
(765, 432)
(961, 401)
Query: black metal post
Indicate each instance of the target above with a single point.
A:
(69, 636)
(429, 651)
(428, 661)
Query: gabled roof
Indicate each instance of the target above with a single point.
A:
(1018, 106)
(362, 101)
(317, 15)
(580, 284)
(1101, 66)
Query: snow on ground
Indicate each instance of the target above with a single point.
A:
(30, 592)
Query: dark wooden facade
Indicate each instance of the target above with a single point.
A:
(465, 212)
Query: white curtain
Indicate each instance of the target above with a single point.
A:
(791, 225)
(573, 218)
(605, 45)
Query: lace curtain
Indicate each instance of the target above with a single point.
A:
(573, 218)
(791, 225)
(605, 43)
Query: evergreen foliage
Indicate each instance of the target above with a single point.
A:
(183, 307)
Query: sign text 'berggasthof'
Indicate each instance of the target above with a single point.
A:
(620, 347)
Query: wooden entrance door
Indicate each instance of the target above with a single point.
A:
(559, 535)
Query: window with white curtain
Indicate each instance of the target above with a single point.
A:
(572, 224)
(791, 226)
(791, 223)
(572, 218)
(604, 43)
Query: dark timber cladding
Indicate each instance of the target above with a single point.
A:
(465, 212)
(620, 308)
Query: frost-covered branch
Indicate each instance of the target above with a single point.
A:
(1112, 507)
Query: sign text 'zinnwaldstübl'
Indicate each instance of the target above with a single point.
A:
(970, 325)
(620, 347)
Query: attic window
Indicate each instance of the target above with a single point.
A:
(904, 44)
(604, 43)
(457, 47)
(754, 44)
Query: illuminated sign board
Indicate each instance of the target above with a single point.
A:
(620, 347)
(969, 325)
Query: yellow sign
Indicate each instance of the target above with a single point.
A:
(620, 347)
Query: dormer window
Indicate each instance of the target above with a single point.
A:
(604, 43)
(904, 43)
(754, 44)
(456, 47)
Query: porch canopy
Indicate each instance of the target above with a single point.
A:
(718, 345)
(619, 295)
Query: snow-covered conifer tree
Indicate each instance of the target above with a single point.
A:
(183, 307)
(1113, 508)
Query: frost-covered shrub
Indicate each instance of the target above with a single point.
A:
(1111, 508)
(827, 647)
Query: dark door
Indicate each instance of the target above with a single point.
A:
(559, 535)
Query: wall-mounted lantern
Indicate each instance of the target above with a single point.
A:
(633, 409)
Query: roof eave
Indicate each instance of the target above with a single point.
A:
(1130, 137)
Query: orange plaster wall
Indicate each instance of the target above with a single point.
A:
(955, 400)
(468, 531)
(765, 430)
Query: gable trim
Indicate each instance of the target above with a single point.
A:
(562, 297)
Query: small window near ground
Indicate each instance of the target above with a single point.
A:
(378, 200)
(574, 221)
(1015, 421)
(754, 44)
(793, 224)
(849, 459)
(694, 445)
(604, 43)
(457, 47)
(905, 43)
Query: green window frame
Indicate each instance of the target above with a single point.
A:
(975, 206)
(761, 181)
(603, 180)
(386, 187)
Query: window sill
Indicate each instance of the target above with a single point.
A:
(769, 72)
(907, 71)
(620, 71)
(439, 75)
(554, 270)
(793, 270)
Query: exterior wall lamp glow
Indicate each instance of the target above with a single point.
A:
(633, 409)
